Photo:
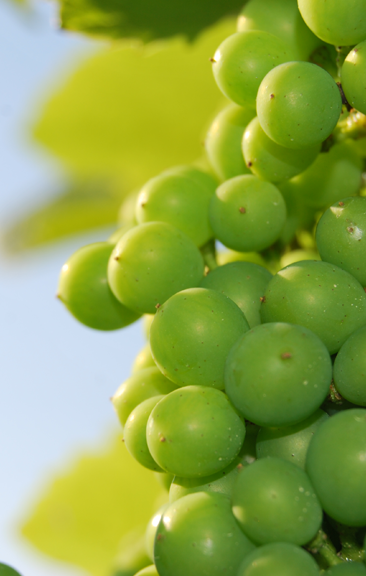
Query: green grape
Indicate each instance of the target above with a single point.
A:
(191, 336)
(279, 559)
(135, 433)
(338, 22)
(340, 236)
(126, 213)
(6, 570)
(151, 531)
(117, 235)
(298, 104)
(319, 296)
(198, 535)
(347, 569)
(164, 479)
(222, 482)
(223, 141)
(278, 374)
(204, 436)
(147, 320)
(244, 283)
(336, 464)
(143, 360)
(148, 571)
(282, 19)
(334, 175)
(353, 77)
(145, 384)
(349, 371)
(269, 160)
(179, 196)
(243, 59)
(151, 263)
(297, 256)
(84, 290)
(274, 501)
(247, 214)
(227, 256)
(132, 555)
(290, 442)
(299, 216)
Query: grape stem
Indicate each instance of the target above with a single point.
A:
(351, 549)
(323, 550)
(208, 252)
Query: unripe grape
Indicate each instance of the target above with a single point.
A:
(223, 141)
(274, 501)
(349, 370)
(152, 262)
(337, 22)
(353, 77)
(336, 464)
(198, 535)
(298, 104)
(247, 214)
(341, 234)
(279, 559)
(192, 334)
(243, 59)
(84, 290)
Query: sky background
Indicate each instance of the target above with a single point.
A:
(56, 376)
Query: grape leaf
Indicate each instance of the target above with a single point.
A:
(144, 19)
(134, 111)
(85, 205)
(84, 514)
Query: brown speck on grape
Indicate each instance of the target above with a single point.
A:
(240, 466)
(250, 164)
(350, 229)
(262, 299)
(341, 203)
(157, 306)
(242, 210)
(286, 355)
(271, 96)
(212, 60)
(162, 439)
(116, 258)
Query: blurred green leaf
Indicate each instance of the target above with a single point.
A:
(134, 111)
(86, 205)
(85, 513)
(144, 19)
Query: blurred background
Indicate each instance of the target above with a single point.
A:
(83, 122)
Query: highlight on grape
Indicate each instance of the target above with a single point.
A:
(249, 398)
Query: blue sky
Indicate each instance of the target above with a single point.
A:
(56, 376)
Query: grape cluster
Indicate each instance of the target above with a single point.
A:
(249, 399)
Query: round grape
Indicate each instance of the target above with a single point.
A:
(198, 535)
(269, 160)
(84, 290)
(317, 295)
(349, 371)
(336, 464)
(278, 374)
(223, 141)
(298, 104)
(353, 77)
(191, 336)
(274, 501)
(279, 559)
(203, 437)
(143, 270)
(244, 283)
(340, 236)
(337, 22)
(247, 214)
(243, 59)
(179, 196)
